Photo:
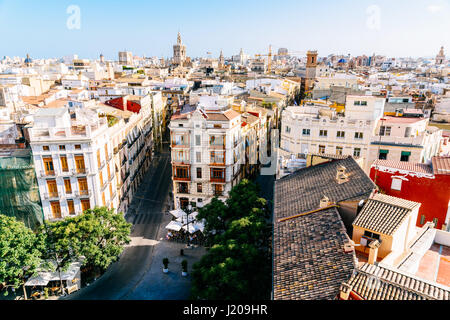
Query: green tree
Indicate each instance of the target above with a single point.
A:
(98, 235)
(19, 253)
(102, 234)
(238, 265)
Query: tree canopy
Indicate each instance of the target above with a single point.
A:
(98, 235)
(19, 252)
(238, 264)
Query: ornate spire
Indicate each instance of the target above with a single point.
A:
(179, 38)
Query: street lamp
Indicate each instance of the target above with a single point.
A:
(188, 212)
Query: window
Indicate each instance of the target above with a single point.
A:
(405, 156)
(216, 140)
(85, 205)
(321, 149)
(340, 134)
(71, 207)
(383, 154)
(79, 163)
(64, 166)
(217, 174)
(68, 186)
(364, 103)
(217, 157)
(199, 188)
(199, 157)
(323, 133)
(339, 151)
(199, 173)
(56, 209)
(78, 147)
(385, 131)
(62, 147)
(101, 179)
(422, 219)
(99, 162)
(357, 152)
(288, 130)
(83, 186)
(218, 190)
(197, 140)
(371, 235)
(306, 132)
(52, 188)
(217, 126)
(182, 172)
(435, 221)
(48, 166)
(45, 148)
(357, 103)
(358, 135)
(396, 184)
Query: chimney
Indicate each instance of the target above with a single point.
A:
(373, 251)
(345, 290)
(341, 175)
(324, 202)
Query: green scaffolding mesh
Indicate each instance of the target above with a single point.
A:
(19, 192)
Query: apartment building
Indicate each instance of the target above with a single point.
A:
(205, 146)
(319, 129)
(404, 139)
(72, 156)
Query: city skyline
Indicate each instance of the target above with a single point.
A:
(149, 29)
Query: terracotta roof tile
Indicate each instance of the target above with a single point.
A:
(384, 214)
(405, 166)
(441, 165)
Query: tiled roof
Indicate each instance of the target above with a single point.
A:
(302, 191)
(372, 282)
(309, 258)
(384, 214)
(441, 165)
(406, 166)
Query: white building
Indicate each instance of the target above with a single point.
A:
(72, 161)
(318, 129)
(205, 154)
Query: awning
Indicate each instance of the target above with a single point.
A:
(174, 226)
(406, 153)
(384, 151)
(177, 213)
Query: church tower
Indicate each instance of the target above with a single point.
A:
(440, 58)
(311, 66)
(179, 52)
(221, 59)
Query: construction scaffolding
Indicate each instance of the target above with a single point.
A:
(19, 192)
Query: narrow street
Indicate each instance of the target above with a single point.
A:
(146, 214)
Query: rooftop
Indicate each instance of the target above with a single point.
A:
(441, 165)
(309, 258)
(302, 191)
(404, 166)
(371, 282)
(384, 214)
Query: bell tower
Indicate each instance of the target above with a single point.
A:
(311, 66)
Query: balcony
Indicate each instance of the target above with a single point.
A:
(217, 179)
(116, 150)
(52, 196)
(83, 193)
(80, 171)
(48, 173)
(109, 157)
(218, 146)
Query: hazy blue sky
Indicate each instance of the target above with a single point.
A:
(388, 27)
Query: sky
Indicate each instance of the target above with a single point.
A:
(53, 29)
